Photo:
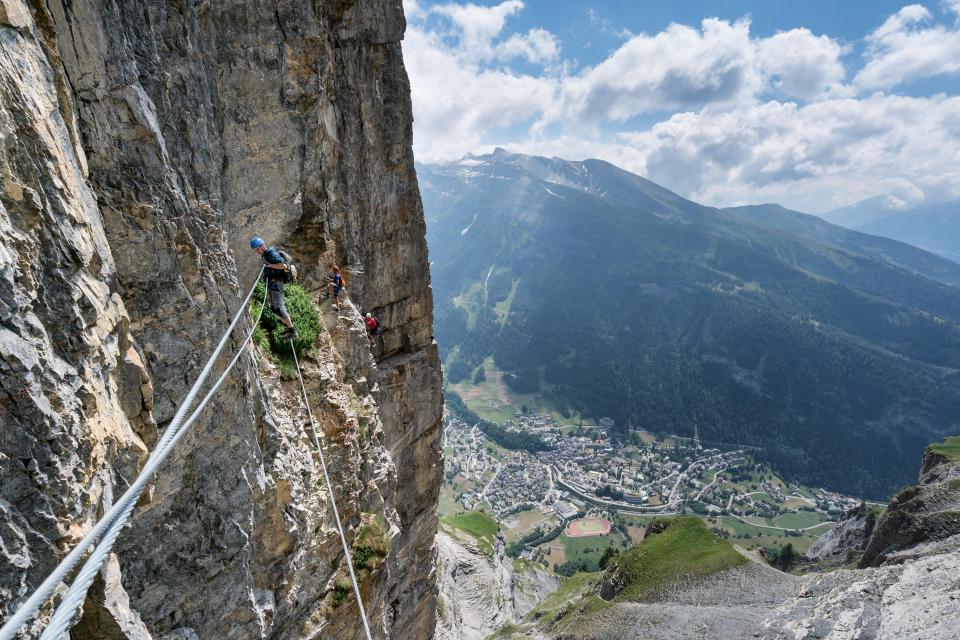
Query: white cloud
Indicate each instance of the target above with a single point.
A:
(456, 104)
(815, 157)
(901, 50)
(801, 64)
(760, 119)
(678, 68)
(537, 45)
(412, 9)
(478, 27)
(605, 25)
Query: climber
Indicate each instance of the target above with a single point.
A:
(337, 283)
(274, 272)
(373, 328)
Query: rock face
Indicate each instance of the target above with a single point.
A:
(849, 536)
(927, 511)
(729, 604)
(916, 600)
(142, 144)
(480, 593)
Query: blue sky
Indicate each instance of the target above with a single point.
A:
(812, 104)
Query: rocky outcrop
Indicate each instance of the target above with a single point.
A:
(849, 536)
(927, 511)
(481, 592)
(142, 144)
(730, 604)
(914, 600)
(908, 589)
(531, 584)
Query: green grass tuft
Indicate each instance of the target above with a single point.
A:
(570, 590)
(684, 549)
(341, 589)
(478, 525)
(441, 607)
(950, 447)
(371, 546)
(267, 334)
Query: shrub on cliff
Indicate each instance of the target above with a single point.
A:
(302, 311)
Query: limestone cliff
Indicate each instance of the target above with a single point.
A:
(481, 591)
(142, 144)
(925, 512)
(847, 539)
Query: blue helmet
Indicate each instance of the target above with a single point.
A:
(256, 242)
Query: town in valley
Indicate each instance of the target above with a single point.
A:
(559, 474)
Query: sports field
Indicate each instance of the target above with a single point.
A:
(588, 527)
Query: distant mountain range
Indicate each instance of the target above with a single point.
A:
(935, 228)
(861, 213)
(834, 351)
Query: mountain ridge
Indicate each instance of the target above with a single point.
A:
(751, 322)
(934, 228)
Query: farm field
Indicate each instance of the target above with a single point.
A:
(447, 506)
(589, 549)
(554, 553)
(798, 520)
(520, 524)
(750, 537)
(493, 400)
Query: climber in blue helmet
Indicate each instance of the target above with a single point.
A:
(275, 272)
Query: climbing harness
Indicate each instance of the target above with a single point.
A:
(124, 506)
(333, 500)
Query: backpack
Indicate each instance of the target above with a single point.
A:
(290, 275)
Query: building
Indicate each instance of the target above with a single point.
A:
(565, 510)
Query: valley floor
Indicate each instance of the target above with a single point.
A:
(916, 600)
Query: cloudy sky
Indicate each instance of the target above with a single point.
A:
(814, 104)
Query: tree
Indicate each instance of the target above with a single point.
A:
(607, 556)
(785, 558)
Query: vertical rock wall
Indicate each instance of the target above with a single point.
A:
(142, 144)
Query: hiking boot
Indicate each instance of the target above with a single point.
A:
(291, 334)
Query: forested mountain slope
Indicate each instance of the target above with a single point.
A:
(835, 352)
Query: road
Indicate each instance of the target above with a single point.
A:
(483, 494)
(707, 487)
(766, 526)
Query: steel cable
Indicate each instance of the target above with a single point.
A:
(121, 510)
